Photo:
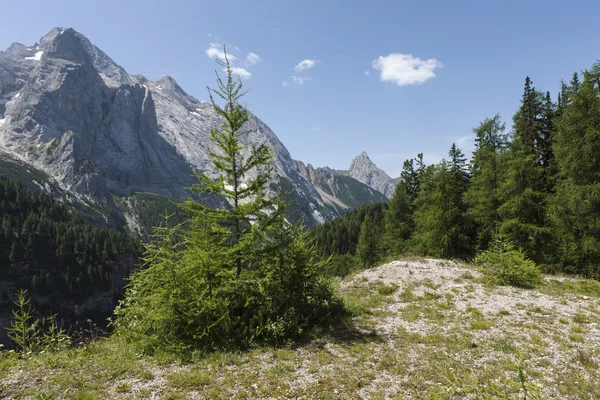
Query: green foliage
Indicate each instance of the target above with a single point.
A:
(509, 266)
(483, 195)
(149, 210)
(341, 265)
(411, 176)
(30, 334)
(54, 254)
(341, 235)
(398, 221)
(442, 226)
(367, 248)
(527, 182)
(24, 330)
(227, 277)
(575, 209)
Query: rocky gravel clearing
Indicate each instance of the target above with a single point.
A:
(422, 329)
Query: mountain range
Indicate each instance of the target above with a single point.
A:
(75, 124)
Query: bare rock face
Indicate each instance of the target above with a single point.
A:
(68, 110)
(364, 170)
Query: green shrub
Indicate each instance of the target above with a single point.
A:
(509, 266)
(31, 334)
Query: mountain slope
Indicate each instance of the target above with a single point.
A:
(341, 191)
(364, 170)
(71, 112)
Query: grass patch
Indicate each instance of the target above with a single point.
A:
(407, 295)
(577, 329)
(386, 290)
(123, 387)
(481, 324)
(576, 337)
(580, 318)
(505, 346)
(580, 287)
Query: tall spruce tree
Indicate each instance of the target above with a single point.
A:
(575, 209)
(483, 195)
(442, 227)
(524, 189)
(398, 220)
(411, 176)
(547, 115)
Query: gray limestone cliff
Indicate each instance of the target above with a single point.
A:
(364, 170)
(71, 112)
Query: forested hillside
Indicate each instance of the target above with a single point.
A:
(67, 266)
(536, 187)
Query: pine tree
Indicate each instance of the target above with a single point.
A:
(398, 220)
(547, 115)
(410, 178)
(483, 195)
(241, 227)
(575, 209)
(526, 120)
(574, 85)
(524, 189)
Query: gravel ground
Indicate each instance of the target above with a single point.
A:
(430, 329)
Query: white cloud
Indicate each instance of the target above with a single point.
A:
(215, 50)
(253, 58)
(305, 64)
(404, 69)
(296, 80)
(367, 73)
(242, 72)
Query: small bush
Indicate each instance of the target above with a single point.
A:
(31, 334)
(509, 266)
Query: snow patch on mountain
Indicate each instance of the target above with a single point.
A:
(36, 57)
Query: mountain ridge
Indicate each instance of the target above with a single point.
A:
(96, 131)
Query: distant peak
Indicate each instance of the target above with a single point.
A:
(363, 155)
(362, 158)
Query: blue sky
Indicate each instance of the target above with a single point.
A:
(436, 68)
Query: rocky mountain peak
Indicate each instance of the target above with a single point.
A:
(66, 44)
(361, 161)
(364, 170)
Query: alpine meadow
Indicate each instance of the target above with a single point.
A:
(156, 246)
